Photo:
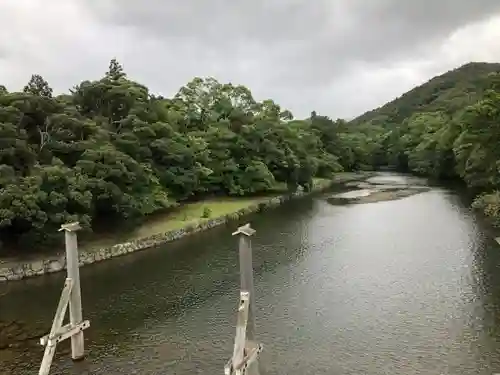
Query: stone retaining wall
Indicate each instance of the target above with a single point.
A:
(58, 263)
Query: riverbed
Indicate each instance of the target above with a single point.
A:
(408, 286)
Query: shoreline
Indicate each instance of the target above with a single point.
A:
(373, 192)
(56, 263)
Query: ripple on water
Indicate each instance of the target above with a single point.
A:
(408, 286)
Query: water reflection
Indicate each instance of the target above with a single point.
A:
(408, 286)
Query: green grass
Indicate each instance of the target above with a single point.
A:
(320, 183)
(186, 215)
(344, 177)
(192, 213)
(183, 216)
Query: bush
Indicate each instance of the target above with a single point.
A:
(207, 212)
(489, 204)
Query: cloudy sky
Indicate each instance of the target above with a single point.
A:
(338, 57)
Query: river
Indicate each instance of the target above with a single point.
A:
(410, 286)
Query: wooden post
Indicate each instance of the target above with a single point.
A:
(246, 349)
(50, 348)
(245, 353)
(75, 302)
(241, 327)
(246, 273)
(70, 295)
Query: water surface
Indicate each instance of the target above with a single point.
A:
(409, 286)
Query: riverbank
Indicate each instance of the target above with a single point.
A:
(371, 190)
(159, 231)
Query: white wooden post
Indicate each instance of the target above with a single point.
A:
(75, 301)
(246, 273)
(241, 328)
(71, 296)
(246, 349)
(47, 340)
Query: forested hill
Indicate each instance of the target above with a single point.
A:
(449, 92)
(447, 128)
(112, 151)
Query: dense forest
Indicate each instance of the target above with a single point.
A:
(111, 151)
(448, 128)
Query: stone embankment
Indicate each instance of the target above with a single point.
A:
(21, 270)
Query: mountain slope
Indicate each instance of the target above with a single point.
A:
(448, 127)
(449, 92)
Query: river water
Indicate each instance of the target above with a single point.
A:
(410, 286)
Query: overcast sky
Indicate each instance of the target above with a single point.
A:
(338, 57)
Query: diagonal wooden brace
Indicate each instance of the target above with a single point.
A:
(62, 306)
(241, 329)
(245, 352)
(63, 333)
(250, 357)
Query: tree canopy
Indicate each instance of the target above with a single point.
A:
(448, 127)
(112, 151)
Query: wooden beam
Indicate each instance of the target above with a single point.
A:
(75, 303)
(241, 327)
(63, 333)
(245, 230)
(50, 350)
(62, 306)
(70, 296)
(246, 350)
(246, 273)
(249, 360)
(245, 353)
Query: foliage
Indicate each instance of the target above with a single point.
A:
(450, 92)
(490, 205)
(207, 212)
(448, 128)
(38, 86)
(112, 152)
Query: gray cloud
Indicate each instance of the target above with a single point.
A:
(339, 57)
(300, 35)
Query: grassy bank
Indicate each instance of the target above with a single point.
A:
(345, 177)
(182, 217)
(187, 215)
(157, 230)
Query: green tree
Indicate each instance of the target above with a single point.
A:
(38, 86)
(111, 152)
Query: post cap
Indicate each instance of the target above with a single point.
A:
(71, 227)
(245, 230)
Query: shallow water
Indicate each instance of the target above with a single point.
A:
(354, 193)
